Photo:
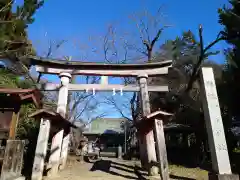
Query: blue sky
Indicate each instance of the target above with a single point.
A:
(76, 21)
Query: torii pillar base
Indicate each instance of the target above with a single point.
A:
(213, 176)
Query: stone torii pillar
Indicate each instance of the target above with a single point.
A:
(147, 139)
(63, 93)
(59, 148)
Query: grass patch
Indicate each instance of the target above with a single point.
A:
(191, 173)
(236, 150)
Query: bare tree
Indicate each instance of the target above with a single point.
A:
(149, 28)
(82, 103)
(83, 109)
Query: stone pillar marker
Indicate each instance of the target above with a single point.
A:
(214, 125)
(41, 150)
(148, 139)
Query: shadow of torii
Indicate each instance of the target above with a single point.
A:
(105, 165)
(136, 171)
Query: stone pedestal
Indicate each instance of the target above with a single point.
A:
(212, 176)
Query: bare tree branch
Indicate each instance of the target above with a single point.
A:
(149, 38)
(112, 101)
(6, 6)
(52, 47)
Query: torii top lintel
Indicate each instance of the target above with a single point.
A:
(52, 66)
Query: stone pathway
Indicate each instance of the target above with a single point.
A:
(105, 169)
(108, 169)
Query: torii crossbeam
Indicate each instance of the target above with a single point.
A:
(100, 69)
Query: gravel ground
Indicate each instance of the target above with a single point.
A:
(115, 169)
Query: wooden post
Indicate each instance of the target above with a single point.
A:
(64, 151)
(54, 160)
(104, 80)
(161, 149)
(119, 152)
(62, 108)
(214, 125)
(13, 125)
(12, 161)
(148, 139)
(41, 150)
(142, 149)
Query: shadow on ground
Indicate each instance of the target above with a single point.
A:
(106, 165)
(179, 177)
(134, 172)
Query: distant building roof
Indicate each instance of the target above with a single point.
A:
(106, 126)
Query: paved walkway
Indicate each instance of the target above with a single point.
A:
(108, 169)
(105, 169)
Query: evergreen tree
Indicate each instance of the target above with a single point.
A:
(229, 17)
(14, 41)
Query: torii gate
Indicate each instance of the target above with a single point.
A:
(65, 70)
(216, 137)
